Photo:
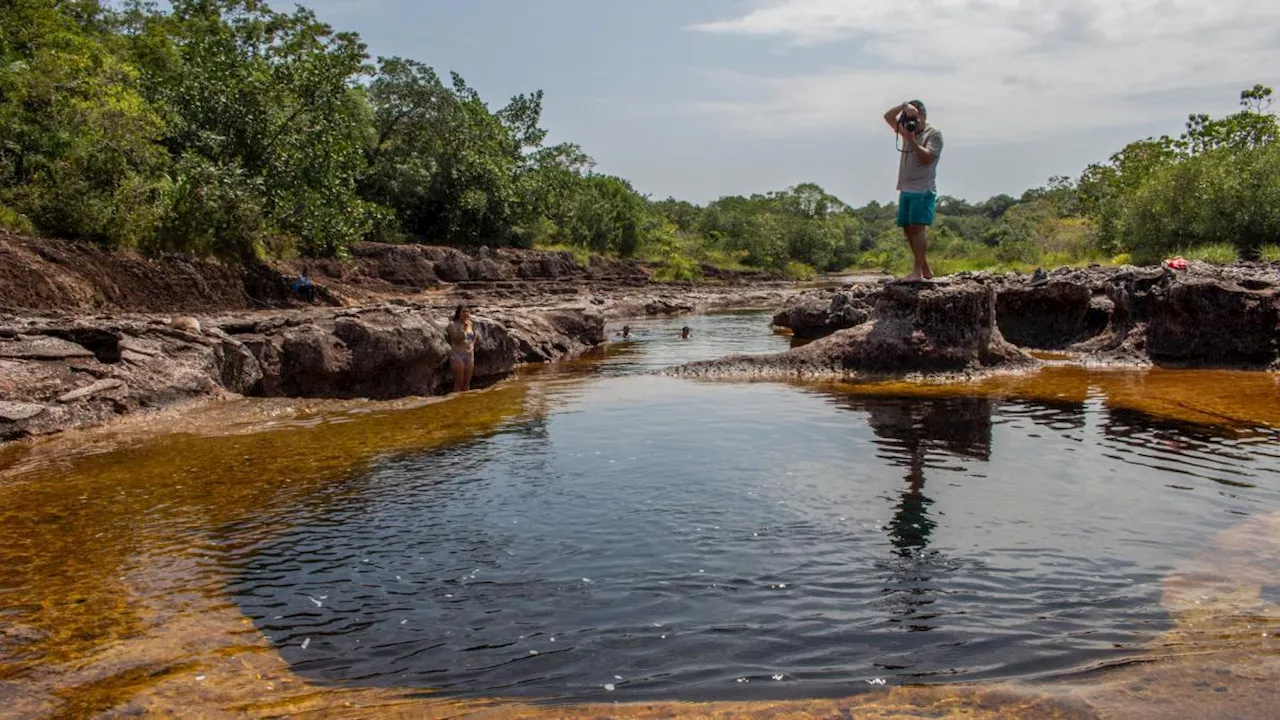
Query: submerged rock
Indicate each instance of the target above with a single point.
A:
(940, 327)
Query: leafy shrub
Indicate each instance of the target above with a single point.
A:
(796, 270)
(14, 221)
(677, 268)
(1221, 197)
(215, 210)
(1122, 259)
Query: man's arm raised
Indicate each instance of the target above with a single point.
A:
(891, 117)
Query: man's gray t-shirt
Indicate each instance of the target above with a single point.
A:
(914, 176)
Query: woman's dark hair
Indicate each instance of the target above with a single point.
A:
(457, 314)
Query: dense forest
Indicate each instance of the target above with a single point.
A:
(225, 128)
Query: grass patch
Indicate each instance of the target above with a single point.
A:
(677, 268)
(726, 259)
(796, 270)
(1215, 253)
(581, 255)
(958, 258)
(1269, 253)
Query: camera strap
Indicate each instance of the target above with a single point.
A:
(897, 141)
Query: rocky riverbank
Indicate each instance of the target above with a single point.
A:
(57, 373)
(1204, 316)
(43, 276)
(87, 335)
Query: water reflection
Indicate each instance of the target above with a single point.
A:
(914, 436)
(519, 543)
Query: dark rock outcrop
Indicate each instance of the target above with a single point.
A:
(819, 313)
(1213, 321)
(44, 275)
(1051, 316)
(1204, 316)
(58, 374)
(941, 327)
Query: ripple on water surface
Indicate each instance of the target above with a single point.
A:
(649, 537)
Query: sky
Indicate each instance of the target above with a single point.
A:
(699, 99)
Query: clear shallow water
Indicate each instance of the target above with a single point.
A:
(647, 537)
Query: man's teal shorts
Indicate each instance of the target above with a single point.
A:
(916, 208)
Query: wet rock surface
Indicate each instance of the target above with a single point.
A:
(44, 275)
(84, 342)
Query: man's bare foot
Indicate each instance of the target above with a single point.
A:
(913, 277)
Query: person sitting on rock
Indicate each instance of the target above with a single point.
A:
(462, 348)
(304, 287)
(684, 332)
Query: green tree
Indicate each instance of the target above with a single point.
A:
(1210, 185)
(273, 93)
(78, 151)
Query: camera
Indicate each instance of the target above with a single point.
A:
(910, 124)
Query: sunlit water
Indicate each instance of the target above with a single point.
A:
(646, 537)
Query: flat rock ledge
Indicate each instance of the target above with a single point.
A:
(70, 372)
(943, 328)
(1205, 316)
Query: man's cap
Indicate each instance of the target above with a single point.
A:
(919, 105)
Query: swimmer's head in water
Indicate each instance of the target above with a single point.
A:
(684, 331)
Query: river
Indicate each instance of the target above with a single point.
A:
(593, 533)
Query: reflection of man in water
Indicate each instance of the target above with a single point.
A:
(955, 426)
(910, 527)
(907, 430)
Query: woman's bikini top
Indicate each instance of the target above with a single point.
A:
(468, 334)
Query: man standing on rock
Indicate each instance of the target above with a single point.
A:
(917, 179)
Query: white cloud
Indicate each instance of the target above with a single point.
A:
(994, 69)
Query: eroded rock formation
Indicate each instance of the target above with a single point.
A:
(62, 373)
(818, 313)
(941, 327)
(1204, 316)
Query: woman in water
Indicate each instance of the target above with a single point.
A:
(462, 349)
